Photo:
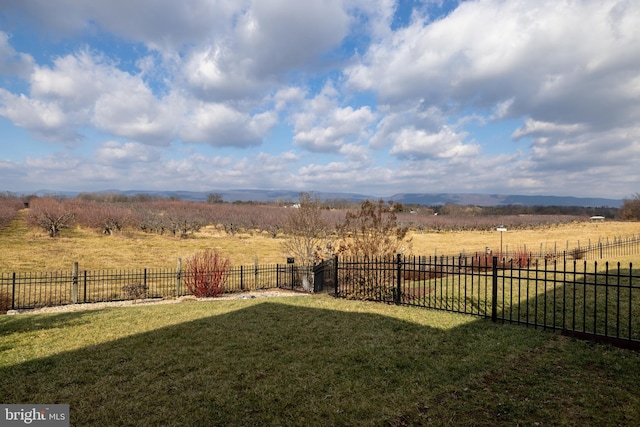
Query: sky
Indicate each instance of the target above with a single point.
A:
(377, 97)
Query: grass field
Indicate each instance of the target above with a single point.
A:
(310, 361)
(26, 249)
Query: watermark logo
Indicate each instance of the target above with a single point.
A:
(34, 415)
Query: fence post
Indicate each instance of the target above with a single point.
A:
(335, 275)
(13, 291)
(398, 279)
(178, 277)
(241, 282)
(494, 290)
(292, 275)
(600, 245)
(255, 272)
(74, 288)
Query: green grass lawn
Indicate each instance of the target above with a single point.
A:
(310, 361)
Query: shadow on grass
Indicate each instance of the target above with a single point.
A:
(603, 307)
(299, 363)
(25, 324)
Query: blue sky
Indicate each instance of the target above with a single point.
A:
(536, 97)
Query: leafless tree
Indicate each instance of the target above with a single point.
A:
(372, 231)
(631, 208)
(306, 233)
(50, 214)
(306, 230)
(9, 207)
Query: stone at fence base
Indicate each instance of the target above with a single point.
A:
(12, 312)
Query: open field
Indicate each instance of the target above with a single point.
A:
(310, 361)
(574, 234)
(29, 249)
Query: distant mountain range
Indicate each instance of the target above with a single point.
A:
(424, 199)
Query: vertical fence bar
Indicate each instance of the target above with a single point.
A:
(606, 301)
(335, 274)
(13, 291)
(494, 290)
(630, 296)
(178, 277)
(618, 302)
(74, 289)
(398, 279)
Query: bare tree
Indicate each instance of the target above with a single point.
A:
(9, 207)
(50, 214)
(213, 198)
(631, 208)
(306, 232)
(368, 236)
(108, 217)
(373, 231)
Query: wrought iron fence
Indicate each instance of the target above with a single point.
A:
(591, 300)
(31, 290)
(604, 248)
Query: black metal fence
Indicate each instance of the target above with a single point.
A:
(604, 248)
(588, 300)
(32, 290)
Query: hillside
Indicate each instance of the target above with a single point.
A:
(424, 199)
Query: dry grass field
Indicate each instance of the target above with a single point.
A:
(558, 236)
(25, 249)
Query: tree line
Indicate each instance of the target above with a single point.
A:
(110, 213)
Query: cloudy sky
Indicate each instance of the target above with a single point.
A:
(369, 96)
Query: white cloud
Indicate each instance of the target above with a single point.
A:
(329, 133)
(159, 24)
(418, 144)
(47, 120)
(258, 51)
(287, 96)
(537, 128)
(221, 125)
(545, 55)
(12, 62)
(10, 171)
(123, 155)
(138, 115)
(323, 125)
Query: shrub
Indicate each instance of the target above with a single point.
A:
(206, 274)
(578, 253)
(5, 302)
(135, 291)
(520, 259)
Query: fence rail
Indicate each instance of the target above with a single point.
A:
(600, 302)
(32, 290)
(602, 249)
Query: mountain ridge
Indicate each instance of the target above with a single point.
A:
(425, 199)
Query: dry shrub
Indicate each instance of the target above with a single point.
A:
(5, 302)
(578, 253)
(135, 291)
(206, 274)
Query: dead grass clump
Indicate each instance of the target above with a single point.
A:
(5, 302)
